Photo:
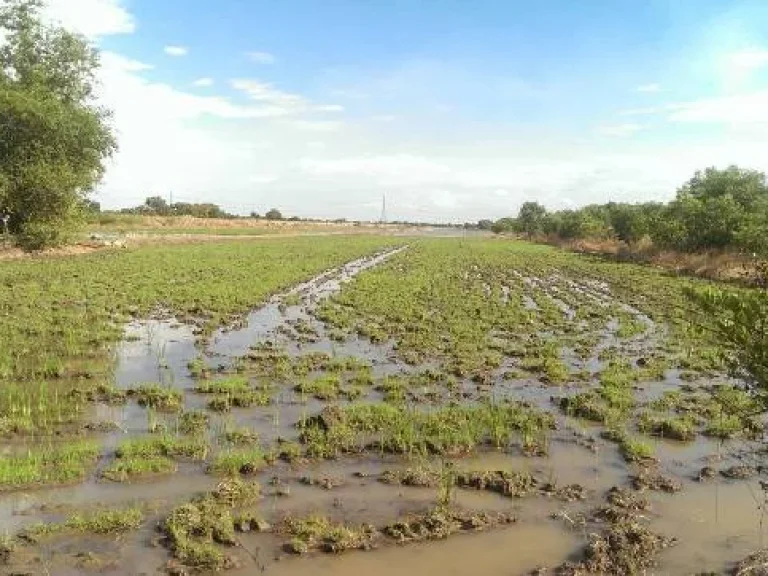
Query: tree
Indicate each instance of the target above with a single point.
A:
(273, 214)
(504, 225)
(740, 322)
(531, 218)
(745, 186)
(53, 138)
(157, 205)
(485, 224)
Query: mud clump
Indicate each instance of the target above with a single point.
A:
(329, 417)
(650, 478)
(627, 547)
(753, 565)
(416, 477)
(325, 482)
(510, 484)
(439, 524)
(320, 533)
(569, 493)
(626, 500)
(740, 472)
(706, 473)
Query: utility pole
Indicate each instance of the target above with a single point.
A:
(383, 219)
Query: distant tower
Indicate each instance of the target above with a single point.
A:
(383, 219)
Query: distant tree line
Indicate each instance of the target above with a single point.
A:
(158, 206)
(716, 209)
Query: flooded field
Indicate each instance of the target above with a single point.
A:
(441, 405)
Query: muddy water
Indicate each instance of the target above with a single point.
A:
(517, 549)
(262, 323)
(716, 522)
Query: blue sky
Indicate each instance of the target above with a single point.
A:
(456, 110)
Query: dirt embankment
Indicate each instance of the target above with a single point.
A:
(721, 265)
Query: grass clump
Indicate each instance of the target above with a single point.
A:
(47, 466)
(231, 385)
(36, 407)
(158, 397)
(135, 468)
(399, 429)
(674, 428)
(102, 522)
(326, 387)
(195, 531)
(317, 532)
(240, 436)
(238, 461)
(193, 422)
(635, 449)
(194, 448)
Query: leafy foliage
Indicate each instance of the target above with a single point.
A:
(715, 209)
(53, 138)
(741, 324)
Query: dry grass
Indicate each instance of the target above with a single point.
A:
(722, 265)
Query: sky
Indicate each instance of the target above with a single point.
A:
(454, 110)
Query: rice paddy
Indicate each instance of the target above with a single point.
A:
(347, 395)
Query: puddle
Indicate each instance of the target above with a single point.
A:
(517, 549)
(716, 523)
(262, 323)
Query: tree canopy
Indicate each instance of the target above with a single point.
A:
(54, 138)
(715, 209)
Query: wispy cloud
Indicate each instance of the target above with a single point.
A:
(750, 59)
(640, 111)
(649, 88)
(261, 57)
(741, 109)
(281, 103)
(203, 82)
(176, 50)
(618, 130)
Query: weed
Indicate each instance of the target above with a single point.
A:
(45, 466)
(169, 446)
(238, 461)
(136, 467)
(158, 397)
(110, 521)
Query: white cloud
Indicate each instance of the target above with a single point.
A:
(280, 103)
(92, 18)
(261, 57)
(263, 178)
(747, 108)
(640, 111)
(649, 88)
(618, 130)
(750, 59)
(349, 93)
(176, 50)
(317, 125)
(203, 82)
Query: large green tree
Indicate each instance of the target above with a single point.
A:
(531, 218)
(54, 138)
